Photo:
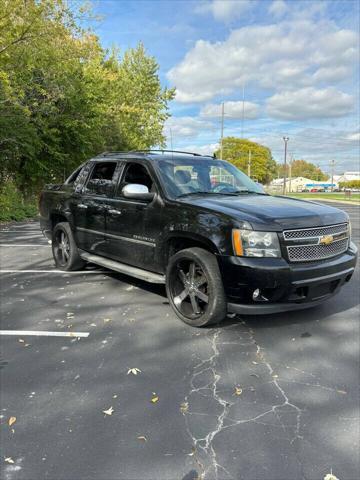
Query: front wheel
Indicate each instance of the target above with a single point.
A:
(64, 248)
(194, 287)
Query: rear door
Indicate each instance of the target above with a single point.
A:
(90, 206)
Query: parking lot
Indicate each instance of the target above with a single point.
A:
(144, 396)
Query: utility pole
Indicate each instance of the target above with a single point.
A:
(222, 130)
(286, 139)
(249, 164)
(290, 172)
(332, 165)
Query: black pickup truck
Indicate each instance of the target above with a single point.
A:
(201, 227)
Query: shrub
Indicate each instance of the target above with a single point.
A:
(12, 205)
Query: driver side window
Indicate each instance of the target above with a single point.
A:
(136, 173)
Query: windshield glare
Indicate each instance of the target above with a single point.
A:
(213, 176)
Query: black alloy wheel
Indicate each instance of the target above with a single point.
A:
(62, 248)
(189, 289)
(194, 287)
(65, 251)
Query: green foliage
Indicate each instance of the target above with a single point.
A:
(12, 206)
(350, 184)
(301, 168)
(236, 151)
(64, 99)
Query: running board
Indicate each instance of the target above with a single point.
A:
(123, 268)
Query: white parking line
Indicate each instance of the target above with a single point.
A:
(80, 272)
(18, 245)
(40, 333)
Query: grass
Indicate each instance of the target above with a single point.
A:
(338, 196)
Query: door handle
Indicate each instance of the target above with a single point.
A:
(114, 212)
(81, 205)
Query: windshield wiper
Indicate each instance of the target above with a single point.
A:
(206, 193)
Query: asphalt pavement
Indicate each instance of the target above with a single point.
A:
(146, 397)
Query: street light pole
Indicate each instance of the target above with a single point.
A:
(332, 164)
(222, 130)
(286, 139)
(249, 164)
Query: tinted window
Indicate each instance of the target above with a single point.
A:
(137, 173)
(183, 177)
(101, 179)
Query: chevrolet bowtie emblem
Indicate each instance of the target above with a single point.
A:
(326, 240)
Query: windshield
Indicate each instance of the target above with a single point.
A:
(199, 175)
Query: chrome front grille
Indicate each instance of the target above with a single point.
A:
(308, 253)
(315, 232)
(306, 245)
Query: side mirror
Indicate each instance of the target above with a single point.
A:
(137, 192)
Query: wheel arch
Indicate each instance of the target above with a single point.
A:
(57, 217)
(177, 241)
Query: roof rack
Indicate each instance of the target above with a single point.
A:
(106, 154)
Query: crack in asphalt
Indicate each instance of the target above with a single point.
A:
(204, 452)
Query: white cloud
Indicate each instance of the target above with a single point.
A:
(309, 103)
(353, 137)
(224, 10)
(186, 127)
(278, 8)
(316, 145)
(208, 149)
(287, 55)
(231, 109)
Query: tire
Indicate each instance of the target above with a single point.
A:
(64, 249)
(194, 287)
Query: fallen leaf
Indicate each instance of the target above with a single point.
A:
(134, 371)
(9, 460)
(12, 420)
(141, 437)
(184, 407)
(155, 398)
(330, 476)
(238, 391)
(109, 411)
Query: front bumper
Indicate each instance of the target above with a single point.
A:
(283, 286)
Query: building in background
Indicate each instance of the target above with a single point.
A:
(347, 177)
(300, 184)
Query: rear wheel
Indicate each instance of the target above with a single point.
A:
(65, 251)
(194, 287)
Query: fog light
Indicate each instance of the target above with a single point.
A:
(256, 294)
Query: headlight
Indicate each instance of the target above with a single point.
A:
(248, 243)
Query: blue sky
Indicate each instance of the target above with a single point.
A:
(295, 62)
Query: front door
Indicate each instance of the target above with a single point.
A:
(129, 236)
(90, 207)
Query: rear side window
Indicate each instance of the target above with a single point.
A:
(101, 179)
(74, 176)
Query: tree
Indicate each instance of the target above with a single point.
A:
(301, 168)
(236, 151)
(350, 184)
(63, 98)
